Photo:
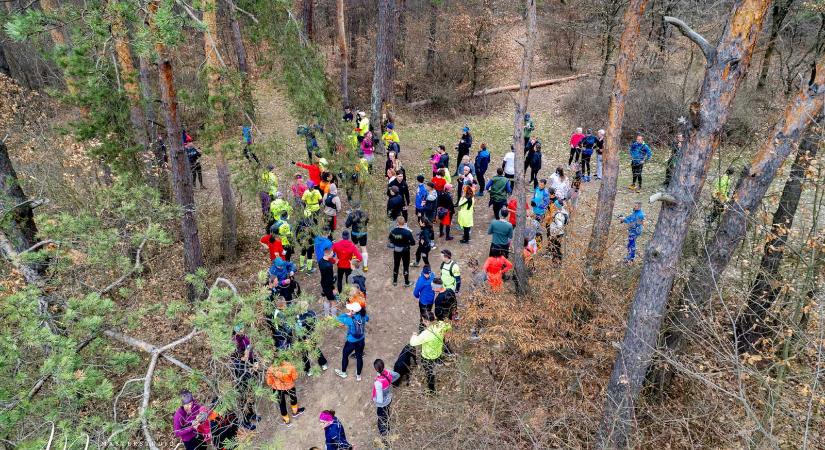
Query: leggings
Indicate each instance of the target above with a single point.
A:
(467, 233)
(497, 205)
(534, 177)
(586, 164)
(636, 168)
(358, 348)
(444, 229)
(575, 153)
(383, 413)
(322, 361)
(429, 369)
(397, 259)
(343, 276)
(422, 252)
(293, 400)
(197, 174)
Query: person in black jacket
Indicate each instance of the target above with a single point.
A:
(445, 211)
(326, 266)
(395, 204)
(426, 241)
(535, 164)
(304, 326)
(403, 191)
(464, 145)
(401, 239)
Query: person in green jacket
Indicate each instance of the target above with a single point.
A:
(431, 341)
(721, 194)
(465, 209)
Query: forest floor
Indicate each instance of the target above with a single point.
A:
(393, 311)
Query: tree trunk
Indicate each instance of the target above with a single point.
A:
(429, 63)
(307, 17)
(751, 324)
(608, 53)
(521, 191)
(179, 163)
(725, 68)
(243, 67)
(705, 276)
(355, 30)
(128, 74)
(20, 229)
(384, 74)
(59, 40)
(5, 69)
(229, 224)
(343, 53)
(779, 12)
(615, 116)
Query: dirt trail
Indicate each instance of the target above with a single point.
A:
(393, 310)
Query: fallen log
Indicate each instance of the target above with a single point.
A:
(507, 88)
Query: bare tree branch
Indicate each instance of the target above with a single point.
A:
(236, 8)
(689, 33)
(134, 268)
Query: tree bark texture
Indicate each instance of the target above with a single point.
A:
(725, 68)
(751, 325)
(384, 73)
(429, 62)
(705, 277)
(179, 163)
(5, 69)
(343, 51)
(615, 116)
(59, 40)
(15, 207)
(243, 66)
(229, 223)
(778, 13)
(308, 17)
(521, 190)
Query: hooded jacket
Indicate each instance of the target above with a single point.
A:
(183, 423)
(281, 378)
(345, 250)
(423, 290)
(431, 340)
(281, 269)
(482, 161)
(640, 153)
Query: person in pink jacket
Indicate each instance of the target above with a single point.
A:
(366, 147)
(191, 423)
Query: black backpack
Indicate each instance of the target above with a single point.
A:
(328, 202)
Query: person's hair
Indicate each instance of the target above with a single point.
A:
(578, 129)
(394, 190)
(543, 181)
(425, 222)
(483, 145)
(430, 184)
(331, 412)
(560, 171)
(499, 171)
(639, 135)
(390, 153)
(505, 213)
(428, 316)
(326, 175)
(473, 263)
(446, 252)
(469, 194)
(378, 364)
(442, 147)
(400, 220)
(419, 178)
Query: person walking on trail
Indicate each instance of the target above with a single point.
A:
(382, 395)
(465, 144)
(675, 153)
(191, 423)
(420, 196)
(244, 368)
(246, 131)
(345, 250)
(392, 166)
(281, 279)
(535, 164)
(496, 267)
(395, 204)
(270, 181)
(326, 267)
(312, 201)
(509, 165)
(499, 188)
(431, 341)
(279, 207)
(424, 293)
(599, 153)
(299, 186)
(304, 327)
(529, 126)
(426, 241)
(449, 271)
(635, 225)
(358, 222)
(367, 149)
(403, 191)
(502, 233)
(431, 204)
(391, 141)
(482, 162)
(401, 239)
(465, 180)
(640, 153)
(356, 334)
(560, 183)
(575, 146)
(334, 435)
(194, 156)
(283, 231)
(555, 231)
(445, 212)
(332, 204)
(588, 144)
(281, 378)
(314, 170)
(363, 125)
(273, 245)
(304, 238)
(721, 194)
(466, 208)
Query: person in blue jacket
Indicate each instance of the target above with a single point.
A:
(420, 195)
(280, 278)
(541, 199)
(334, 435)
(640, 153)
(356, 335)
(635, 225)
(423, 292)
(482, 162)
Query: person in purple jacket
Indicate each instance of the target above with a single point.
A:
(191, 423)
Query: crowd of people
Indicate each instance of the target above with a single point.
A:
(303, 235)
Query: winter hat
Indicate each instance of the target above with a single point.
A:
(448, 187)
(326, 417)
(426, 270)
(279, 195)
(279, 263)
(186, 397)
(238, 327)
(345, 235)
(323, 162)
(527, 116)
(362, 113)
(466, 129)
(436, 286)
(390, 126)
(354, 307)
(270, 167)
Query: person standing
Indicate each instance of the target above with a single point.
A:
(675, 153)
(495, 267)
(635, 225)
(465, 143)
(502, 233)
(403, 190)
(560, 184)
(194, 156)
(334, 435)
(391, 141)
(281, 378)
(382, 395)
(395, 203)
(509, 165)
(326, 267)
(358, 222)
(304, 327)
(465, 213)
(599, 153)
(401, 239)
(446, 211)
(332, 204)
(420, 196)
(423, 292)
(500, 188)
(346, 251)
(588, 144)
(191, 423)
(575, 146)
(356, 335)
(721, 194)
(640, 153)
(304, 237)
(426, 241)
(450, 272)
(362, 125)
(541, 199)
(431, 341)
(482, 162)
(555, 231)
(528, 128)
(535, 164)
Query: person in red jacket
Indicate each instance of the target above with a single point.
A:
(345, 250)
(575, 146)
(511, 208)
(314, 170)
(273, 244)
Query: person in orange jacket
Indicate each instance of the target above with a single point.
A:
(281, 378)
(496, 267)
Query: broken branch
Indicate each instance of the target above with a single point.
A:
(662, 197)
(689, 33)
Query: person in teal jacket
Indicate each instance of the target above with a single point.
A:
(640, 153)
